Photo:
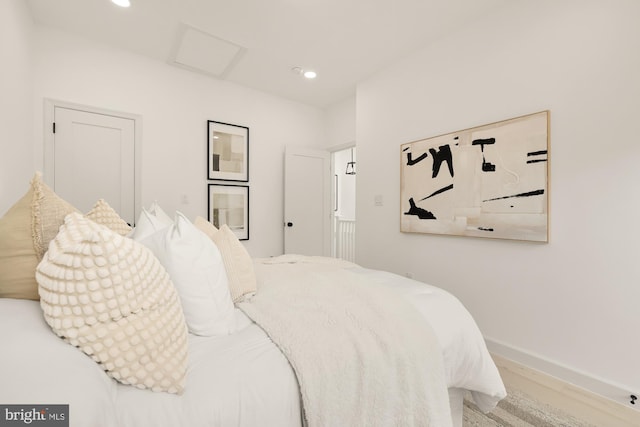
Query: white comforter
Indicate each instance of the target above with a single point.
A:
(362, 355)
(238, 380)
(467, 362)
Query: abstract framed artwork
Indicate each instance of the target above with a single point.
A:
(487, 181)
(227, 152)
(229, 204)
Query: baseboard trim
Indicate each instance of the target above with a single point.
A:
(564, 388)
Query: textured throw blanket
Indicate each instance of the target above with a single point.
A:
(362, 355)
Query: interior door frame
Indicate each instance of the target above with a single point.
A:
(49, 140)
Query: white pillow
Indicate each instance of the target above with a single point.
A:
(110, 297)
(148, 223)
(157, 211)
(196, 269)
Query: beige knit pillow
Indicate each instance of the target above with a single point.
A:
(18, 259)
(110, 297)
(237, 261)
(103, 214)
(25, 232)
(47, 214)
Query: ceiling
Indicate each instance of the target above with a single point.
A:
(256, 43)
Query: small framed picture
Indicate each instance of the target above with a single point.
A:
(229, 204)
(227, 152)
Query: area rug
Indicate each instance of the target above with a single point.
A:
(519, 410)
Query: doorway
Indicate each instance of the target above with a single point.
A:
(320, 202)
(343, 217)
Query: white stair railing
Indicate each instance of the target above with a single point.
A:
(346, 239)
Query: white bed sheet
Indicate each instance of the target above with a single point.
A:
(238, 380)
(37, 367)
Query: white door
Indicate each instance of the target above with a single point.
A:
(93, 157)
(307, 207)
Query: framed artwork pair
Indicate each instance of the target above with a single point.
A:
(228, 160)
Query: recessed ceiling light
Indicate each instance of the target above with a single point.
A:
(122, 3)
(309, 74)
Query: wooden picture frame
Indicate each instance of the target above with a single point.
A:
(487, 181)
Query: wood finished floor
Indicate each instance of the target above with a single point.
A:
(578, 403)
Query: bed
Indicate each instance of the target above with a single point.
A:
(241, 379)
(376, 371)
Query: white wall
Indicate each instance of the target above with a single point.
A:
(16, 107)
(576, 300)
(175, 105)
(341, 123)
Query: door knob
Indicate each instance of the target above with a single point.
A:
(289, 224)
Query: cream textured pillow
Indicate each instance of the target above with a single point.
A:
(196, 269)
(110, 297)
(103, 214)
(237, 261)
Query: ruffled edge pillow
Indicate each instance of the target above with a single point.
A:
(237, 261)
(110, 297)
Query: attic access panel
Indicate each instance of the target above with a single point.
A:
(487, 181)
(200, 51)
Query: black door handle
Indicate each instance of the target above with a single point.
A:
(289, 224)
